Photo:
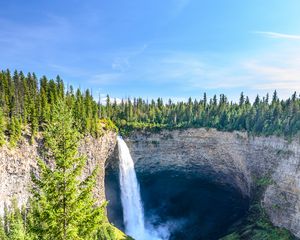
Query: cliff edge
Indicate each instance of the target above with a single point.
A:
(232, 158)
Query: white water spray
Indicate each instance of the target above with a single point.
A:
(133, 212)
(130, 194)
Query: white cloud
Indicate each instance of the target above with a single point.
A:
(272, 73)
(262, 72)
(120, 64)
(103, 100)
(277, 67)
(279, 35)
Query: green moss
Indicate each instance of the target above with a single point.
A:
(263, 181)
(155, 142)
(120, 235)
(284, 153)
(257, 225)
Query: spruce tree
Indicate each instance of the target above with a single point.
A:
(3, 235)
(34, 124)
(63, 207)
(16, 225)
(15, 131)
(2, 128)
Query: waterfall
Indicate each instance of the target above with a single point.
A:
(133, 213)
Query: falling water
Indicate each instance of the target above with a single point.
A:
(130, 194)
(133, 212)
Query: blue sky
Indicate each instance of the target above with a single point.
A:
(171, 48)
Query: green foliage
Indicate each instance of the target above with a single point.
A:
(26, 102)
(2, 128)
(63, 207)
(19, 225)
(3, 235)
(15, 131)
(257, 226)
(232, 236)
(107, 124)
(31, 101)
(263, 181)
(260, 118)
(13, 227)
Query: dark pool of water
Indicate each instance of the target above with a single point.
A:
(192, 207)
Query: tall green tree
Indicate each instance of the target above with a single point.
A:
(16, 224)
(3, 235)
(63, 206)
(2, 128)
(13, 226)
(15, 131)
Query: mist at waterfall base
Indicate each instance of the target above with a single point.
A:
(171, 204)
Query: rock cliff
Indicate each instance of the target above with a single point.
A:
(17, 163)
(229, 158)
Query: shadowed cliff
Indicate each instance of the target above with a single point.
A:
(232, 160)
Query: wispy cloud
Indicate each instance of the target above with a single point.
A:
(67, 70)
(122, 61)
(278, 35)
(120, 64)
(268, 76)
(187, 73)
(49, 30)
(22, 41)
(180, 5)
(105, 78)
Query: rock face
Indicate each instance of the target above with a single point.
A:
(16, 165)
(97, 152)
(229, 158)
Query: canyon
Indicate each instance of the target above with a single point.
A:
(232, 159)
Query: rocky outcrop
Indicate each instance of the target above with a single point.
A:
(232, 158)
(97, 152)
(16, 165)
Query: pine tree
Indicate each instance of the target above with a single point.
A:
(34, 124)
(242, 99)
(15, 131)
(204, 99)
(2, 128)
(63, 207)
(108, 106)
(16, 224)
(3, 235)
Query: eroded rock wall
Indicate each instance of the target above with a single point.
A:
(229, 158)
(17, 163)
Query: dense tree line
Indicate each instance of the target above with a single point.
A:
(26, 103)
(265, 116)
